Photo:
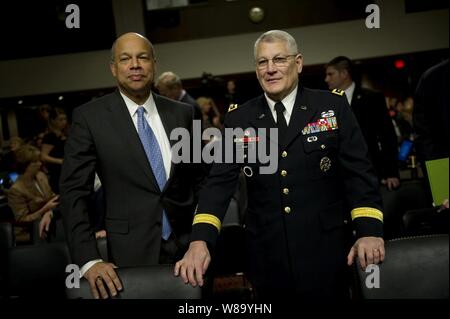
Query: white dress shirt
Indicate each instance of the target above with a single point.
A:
(152, 117)
(349, 92)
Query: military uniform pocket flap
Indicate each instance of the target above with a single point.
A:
(319, 142)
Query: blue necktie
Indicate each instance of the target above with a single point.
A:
(153, 152)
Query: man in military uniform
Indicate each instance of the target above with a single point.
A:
(373, 118)
(295, 234)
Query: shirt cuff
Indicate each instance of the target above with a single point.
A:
(88, 266)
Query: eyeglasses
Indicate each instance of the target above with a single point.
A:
(278, 61)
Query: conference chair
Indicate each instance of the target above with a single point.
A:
(414, 268)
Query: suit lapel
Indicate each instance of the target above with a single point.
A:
(354, 103)
(124, 124)
(302, 113)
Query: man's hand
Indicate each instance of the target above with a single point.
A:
(370, 250)
(391, 183)
(100, 234)
(100, 274)
(444, 206)
(194, 263)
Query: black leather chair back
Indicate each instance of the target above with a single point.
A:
(38, 271)
(6, 236)
(6, 242)
(428, 221)
(411, 195)
(414, 267)
(145, 282)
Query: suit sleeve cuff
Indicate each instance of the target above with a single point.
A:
(368, 222)
(88, 266)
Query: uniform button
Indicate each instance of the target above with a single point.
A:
(322, 146)
(285, 191)
(287, 209)
(345, 221)
(283, 173)
(284, 154)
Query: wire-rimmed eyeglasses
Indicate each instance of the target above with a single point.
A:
(278, 61)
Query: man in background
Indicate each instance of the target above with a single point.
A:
(373, 117)
(169, 85)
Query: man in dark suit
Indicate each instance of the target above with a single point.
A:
(373, 117)
(124, 137)
(296, 216)
(431, 113)
(169, 85)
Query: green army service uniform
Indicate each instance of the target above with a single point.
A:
(295, 222)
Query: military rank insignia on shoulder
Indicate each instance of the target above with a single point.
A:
(338, 92)
(232, 107)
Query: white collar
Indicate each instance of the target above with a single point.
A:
(149, 105)
(349, 92)
(288, 101)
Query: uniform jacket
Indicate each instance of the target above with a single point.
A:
(377, 128)
(295, 234)
(103, 139)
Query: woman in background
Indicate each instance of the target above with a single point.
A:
(52, 150)
(31, 197)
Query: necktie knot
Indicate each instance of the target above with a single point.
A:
(279, 107)
(141, 111)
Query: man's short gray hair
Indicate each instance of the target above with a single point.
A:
(277, 36)
(169, 80)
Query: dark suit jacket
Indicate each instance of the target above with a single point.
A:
(197, 110)
(376, 125)
(295, 221)
(103, 139)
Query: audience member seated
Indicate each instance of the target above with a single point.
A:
(31, 197)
